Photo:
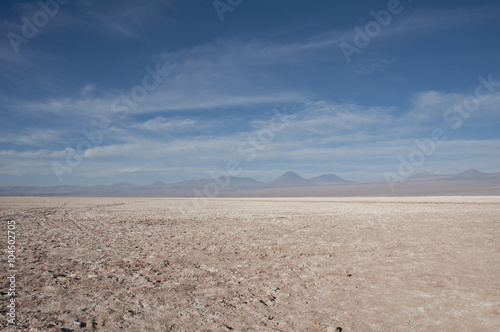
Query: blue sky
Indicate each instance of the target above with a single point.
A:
(166, 90)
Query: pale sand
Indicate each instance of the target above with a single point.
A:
(278, 264)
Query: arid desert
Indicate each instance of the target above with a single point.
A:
(274, 264)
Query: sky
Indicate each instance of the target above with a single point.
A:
(98, 92)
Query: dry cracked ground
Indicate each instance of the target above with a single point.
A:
(332, 264)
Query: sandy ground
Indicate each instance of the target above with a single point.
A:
(353, 264)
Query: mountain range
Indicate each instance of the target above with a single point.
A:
(470, 182)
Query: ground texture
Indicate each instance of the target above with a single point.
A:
(374, 264)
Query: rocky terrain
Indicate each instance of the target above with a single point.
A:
(316, 264)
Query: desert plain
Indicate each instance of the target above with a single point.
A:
(274, 264)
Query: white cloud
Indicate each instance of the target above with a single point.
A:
(88, 89)
(431, 106)
(33, 137)
(163, 124)
(424, 20)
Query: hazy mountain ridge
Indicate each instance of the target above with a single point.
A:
(289, 179)
(289, 183)
(475, 175)
(328, 178)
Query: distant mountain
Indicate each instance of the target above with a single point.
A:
(289, 184)
(243, 181)
(122, 184)
(289, 179)
(158, 184)
(236, 183)
(235, 179)
(428, 176)
(474, 175)
(328, 178)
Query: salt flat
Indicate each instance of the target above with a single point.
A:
(277, 264)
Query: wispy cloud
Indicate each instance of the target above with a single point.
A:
(33, 138)
(416, 20)
(163, 124)
(430, 106)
